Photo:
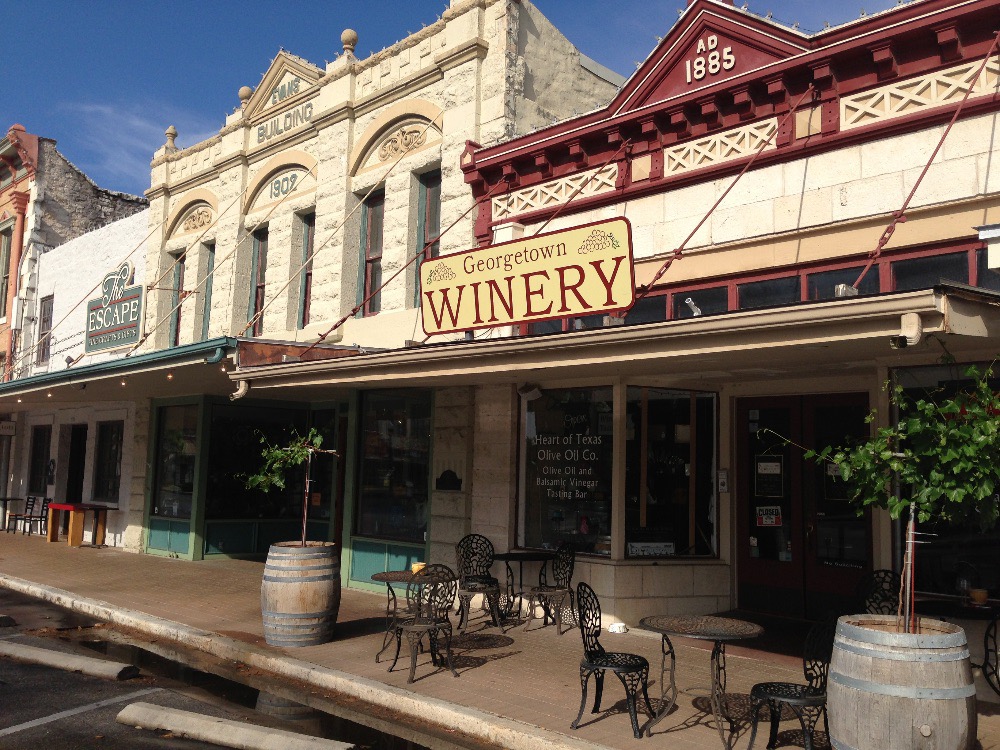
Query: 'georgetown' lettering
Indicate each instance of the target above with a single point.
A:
(283, 123)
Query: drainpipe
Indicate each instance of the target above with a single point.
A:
(242, 388)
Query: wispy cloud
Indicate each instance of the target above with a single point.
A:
(113, 143)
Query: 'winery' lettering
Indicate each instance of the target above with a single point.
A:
(581, 271)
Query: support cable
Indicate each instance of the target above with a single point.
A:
(899, 217)
(419, 254)
(678, 252)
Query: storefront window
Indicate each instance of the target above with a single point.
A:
(923, 273)
(395, 460)
(567, 479)
(176, 453)
(823, 284)
(38, 474)
(768, 293)
(234, 453)
(669, 473)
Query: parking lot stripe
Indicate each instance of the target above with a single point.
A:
(74, 711)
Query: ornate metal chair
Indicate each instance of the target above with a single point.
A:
(475, 558)
(631, 669)
(878, 593)
(991, 670)
(552, 597)
(807, 702)
(430, 598)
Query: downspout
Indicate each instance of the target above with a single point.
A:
(242, 388)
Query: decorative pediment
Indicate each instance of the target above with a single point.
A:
(713, 42)
(287, 82)
(196, 219)
(413, 134)
(288, 183)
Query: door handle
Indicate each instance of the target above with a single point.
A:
(810, 530)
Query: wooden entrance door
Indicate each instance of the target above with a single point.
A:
(801, 545)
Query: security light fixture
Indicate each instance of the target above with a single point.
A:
(695, 310)
(529, 392)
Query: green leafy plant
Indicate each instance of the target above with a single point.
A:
(943, 453)
(279, 459)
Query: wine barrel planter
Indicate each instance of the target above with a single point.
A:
(909, 690)
(300, 593)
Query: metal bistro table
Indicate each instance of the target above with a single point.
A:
(720, 630)
(404, 577)
(520, 556)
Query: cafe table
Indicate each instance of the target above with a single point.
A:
(4, 508)
(389, 577)
(77, 514)
(520, 556)
(719, 630)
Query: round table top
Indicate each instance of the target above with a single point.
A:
(525, 555)
(394, 576)
(705, 627)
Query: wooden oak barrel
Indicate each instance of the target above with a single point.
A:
(300, 593)
(889, 689)
(302, 719)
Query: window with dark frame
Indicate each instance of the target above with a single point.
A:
(44, 330)
(108, 461)
(38, 463)
(177, 299)
(206, 308)
(305, 290)
(6, 240)
(430, 217)
(374, 215)
(258, 272)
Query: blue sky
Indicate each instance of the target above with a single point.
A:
(104, 78)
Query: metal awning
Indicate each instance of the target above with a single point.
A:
(838, 336)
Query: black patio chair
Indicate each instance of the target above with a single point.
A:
(552, 597)
(13, 519)
(808, 701)
(878, 593)
(429, 598)
(991, 664)
(631, 669)
(475, 558)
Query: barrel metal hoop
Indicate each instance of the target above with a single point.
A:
(298, 567)
(307, 556)
(904, 691)
(902, 655)
(298, 579)
(297, 615)
(911, 640)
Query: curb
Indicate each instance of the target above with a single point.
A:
(70, 662)
(499, 730)
(223, 732)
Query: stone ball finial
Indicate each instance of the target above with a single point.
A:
(349, 38)
(18, 127)
(244, 94)
(171, 133)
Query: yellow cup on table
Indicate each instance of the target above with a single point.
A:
(978, 596)
(417, 567)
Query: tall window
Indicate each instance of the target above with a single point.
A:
(38, 463)
(371, 244)
(257, 273)
(430, 213)
(177, 299)
(108, 461)
(6, 239)
(44, 330)
(206, 309)
(305, 288)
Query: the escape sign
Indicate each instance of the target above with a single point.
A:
(115, 318)
(580, 271)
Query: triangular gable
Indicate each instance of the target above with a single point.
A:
(284, 82)
(712, 42)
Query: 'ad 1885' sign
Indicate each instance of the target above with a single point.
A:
(115, 318)
(580, 271)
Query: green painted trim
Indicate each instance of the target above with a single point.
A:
(353, 460)
(196, 539)
(308, 236)
(206, 310)
(362, 260)
(421, 238)
(254, 262)
(175, 298)
(121, 366)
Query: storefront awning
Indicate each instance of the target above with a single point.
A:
(831, 337)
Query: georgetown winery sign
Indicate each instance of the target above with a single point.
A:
(585, 270)
(115, 318)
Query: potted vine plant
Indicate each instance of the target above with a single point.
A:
(939, 460)
(300, 593)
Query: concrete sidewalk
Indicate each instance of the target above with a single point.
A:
(516, 690)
